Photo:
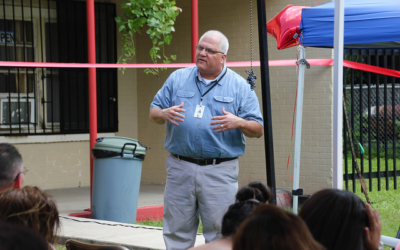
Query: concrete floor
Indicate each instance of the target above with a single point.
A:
(75, 200)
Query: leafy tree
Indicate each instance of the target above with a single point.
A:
(157, 19)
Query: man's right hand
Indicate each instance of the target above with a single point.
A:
(170, 114)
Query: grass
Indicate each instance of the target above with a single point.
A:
(60, 247)
(387, 202)
(160, 224)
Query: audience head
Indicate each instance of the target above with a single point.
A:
(235, 215)
(32, 208)
(11, 167)
(254, 190)
(273, 228)
(14, 237)
(336, 218)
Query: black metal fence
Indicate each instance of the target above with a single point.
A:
(54, 100)
(373, 108)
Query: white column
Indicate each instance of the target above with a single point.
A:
(338, 95)
(299, 119)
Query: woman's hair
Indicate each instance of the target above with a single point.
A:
(235, 215)
(336, 218)
(32, 208)
(273, 228)
(254, 190)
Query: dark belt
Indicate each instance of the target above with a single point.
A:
(203, 162)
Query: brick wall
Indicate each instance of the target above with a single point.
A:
(56, 165)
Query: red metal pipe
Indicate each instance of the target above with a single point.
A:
(92, 84)
(195, 27)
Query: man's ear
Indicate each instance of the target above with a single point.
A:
(19, 181)
(223, 58)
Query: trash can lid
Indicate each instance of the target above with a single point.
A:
(117, 144)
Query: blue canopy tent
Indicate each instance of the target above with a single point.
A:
(367, 24)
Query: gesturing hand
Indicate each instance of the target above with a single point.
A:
(172, 114)
(372, 234)
(225, 122)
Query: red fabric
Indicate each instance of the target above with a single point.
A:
(285, 25)
(272, 63)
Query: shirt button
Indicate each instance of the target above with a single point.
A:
(198, 124)
(197, 152)
(184, 95)
(197, 138)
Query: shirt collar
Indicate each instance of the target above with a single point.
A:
(200, 78)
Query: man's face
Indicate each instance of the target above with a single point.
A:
(210, 65)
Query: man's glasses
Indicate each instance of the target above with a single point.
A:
(23, 172)
(208, 50)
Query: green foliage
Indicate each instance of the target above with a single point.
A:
(157, 19)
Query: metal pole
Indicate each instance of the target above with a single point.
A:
(195, 27)
(92, 85)
(299, 121)
(266, 97)
(338, 95)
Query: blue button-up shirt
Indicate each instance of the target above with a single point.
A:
(194, 137)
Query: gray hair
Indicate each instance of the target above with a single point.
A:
(10, 164)
(223, 45)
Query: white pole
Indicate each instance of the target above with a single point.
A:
(338, 95)
(299, 119)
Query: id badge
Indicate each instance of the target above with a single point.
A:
(199, 111)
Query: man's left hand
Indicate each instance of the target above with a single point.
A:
(225, 122)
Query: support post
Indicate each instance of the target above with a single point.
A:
(92, 84)
(266, 97)
(299, 122)
(338, 95)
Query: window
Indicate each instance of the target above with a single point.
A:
(17, 84)
(54, 100)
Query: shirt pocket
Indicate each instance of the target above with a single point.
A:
(223, 101)
(184, 96)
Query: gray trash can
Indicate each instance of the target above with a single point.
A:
(117, 169)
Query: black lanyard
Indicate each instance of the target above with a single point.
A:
(215, 83)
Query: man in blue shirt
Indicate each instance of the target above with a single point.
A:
(208, 108)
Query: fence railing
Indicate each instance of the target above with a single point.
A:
(373, 108)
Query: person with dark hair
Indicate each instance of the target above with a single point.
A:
(32, 208)
(340, 220)
(14, 237)
(11, 168)
(270, 227)
(231, 221)
(254, 190)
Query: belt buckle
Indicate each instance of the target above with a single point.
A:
(201, 162)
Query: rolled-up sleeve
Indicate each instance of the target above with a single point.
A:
(162, 99)
(250, 107)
